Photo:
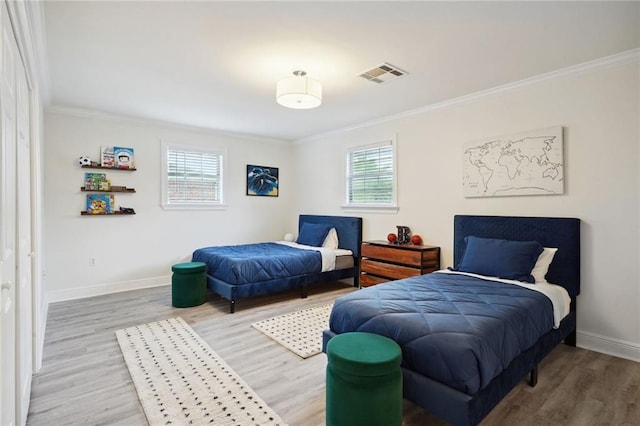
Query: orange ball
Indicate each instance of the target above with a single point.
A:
(416, 240)
(392, 237)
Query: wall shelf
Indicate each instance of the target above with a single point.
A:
(129, 190)
(100, 198)
(108, 168)
(116, 213)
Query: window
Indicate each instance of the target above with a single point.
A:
(371, 176)
(192, 177)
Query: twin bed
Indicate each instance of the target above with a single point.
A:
(248, 270)
(467, 339)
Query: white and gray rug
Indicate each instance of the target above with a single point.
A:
(300, 331)
(180, 380)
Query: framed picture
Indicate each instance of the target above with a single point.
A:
(262, 181)
(527, 163)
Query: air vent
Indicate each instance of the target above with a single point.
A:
(383, 73)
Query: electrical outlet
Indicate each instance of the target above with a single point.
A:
(92, 261)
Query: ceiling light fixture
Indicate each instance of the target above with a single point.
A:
(299, 91)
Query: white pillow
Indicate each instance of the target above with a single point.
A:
(331, 240)
(541, 267)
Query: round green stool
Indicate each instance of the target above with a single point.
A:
(188, 284)
(364, 381)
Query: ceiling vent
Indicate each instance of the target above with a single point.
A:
(383, 73)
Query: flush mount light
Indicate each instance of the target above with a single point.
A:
(299, 91)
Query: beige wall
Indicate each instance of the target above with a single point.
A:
(138, 251)
(599, 112)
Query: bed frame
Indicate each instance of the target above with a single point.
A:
(349, 231)
(459, 408)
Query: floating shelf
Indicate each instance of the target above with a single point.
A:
(130, 190)
(107, 201)
(117, 213)
(108, 168)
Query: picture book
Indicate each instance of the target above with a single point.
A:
(100, 203)
(95, 181)
(106, 156)
(123, 157)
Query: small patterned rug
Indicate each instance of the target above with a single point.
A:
(300, 331)
(180, 380)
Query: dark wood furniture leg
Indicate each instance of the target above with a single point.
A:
(533, 376)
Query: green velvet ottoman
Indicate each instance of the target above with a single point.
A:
(364, 381)
(188, 284)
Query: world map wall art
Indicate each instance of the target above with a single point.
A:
(528, 163)
(262, 180)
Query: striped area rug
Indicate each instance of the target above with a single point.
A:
(300, 331)
(180, 380)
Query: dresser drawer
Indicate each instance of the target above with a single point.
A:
(404, 256)
(381, 262)
(367, 280)
(388, 270)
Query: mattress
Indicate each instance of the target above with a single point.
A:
(344, 261)
(258, 262)
(251, 263)
(459, 330)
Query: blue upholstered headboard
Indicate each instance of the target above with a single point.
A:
(349, 229)
(563, 233)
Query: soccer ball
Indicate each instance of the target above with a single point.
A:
(84, 161)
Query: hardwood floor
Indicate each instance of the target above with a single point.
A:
(84, 380)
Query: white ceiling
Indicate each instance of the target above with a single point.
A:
(215, 64)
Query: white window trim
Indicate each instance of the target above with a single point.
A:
(374, 208)
(164, 146)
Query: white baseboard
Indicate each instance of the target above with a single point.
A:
(99, 290)
(609, 346)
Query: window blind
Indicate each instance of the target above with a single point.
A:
(370, 175)
(194, 177)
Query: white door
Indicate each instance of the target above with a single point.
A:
(7, 222)
(24, 314)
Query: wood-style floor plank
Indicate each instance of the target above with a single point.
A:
(84, 380)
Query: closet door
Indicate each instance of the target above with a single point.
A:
(24, 297)
(7, 222)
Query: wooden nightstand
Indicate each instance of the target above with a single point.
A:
(382, 261)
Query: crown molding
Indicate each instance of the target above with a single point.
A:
(620, 59)
(27, 20)
(94, 114)
(35, 13)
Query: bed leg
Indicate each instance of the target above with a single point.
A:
(571, 339)
(533, 376)
(303, 291)
(232, 306)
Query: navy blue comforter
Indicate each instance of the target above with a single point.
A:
(459, 330)
(250, 263)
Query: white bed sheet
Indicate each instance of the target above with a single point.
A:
(559, 297)
(328, 254)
